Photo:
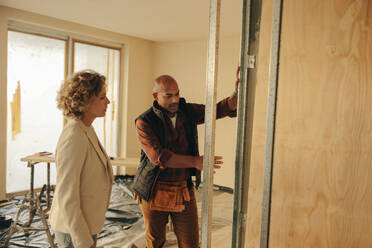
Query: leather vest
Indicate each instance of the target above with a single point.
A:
(147, 173)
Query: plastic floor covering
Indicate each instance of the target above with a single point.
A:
(123, 214)
(124, 225)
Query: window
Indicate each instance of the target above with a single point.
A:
(106, 61)
(35, 71)
(37, 65)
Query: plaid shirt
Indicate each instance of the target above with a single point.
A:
(176, 137)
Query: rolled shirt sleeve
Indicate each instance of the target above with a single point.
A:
(150, 144)
(222, 111)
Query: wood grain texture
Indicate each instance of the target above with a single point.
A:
(322, 191)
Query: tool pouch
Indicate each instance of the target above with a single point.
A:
(170, 196)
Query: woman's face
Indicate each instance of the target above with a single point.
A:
(98, 105)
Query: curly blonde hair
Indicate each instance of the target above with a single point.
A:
(77, 91)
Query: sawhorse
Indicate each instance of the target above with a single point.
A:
(32, 203)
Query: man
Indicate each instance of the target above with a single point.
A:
(167, 133)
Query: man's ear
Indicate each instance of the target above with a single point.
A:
(155, 95)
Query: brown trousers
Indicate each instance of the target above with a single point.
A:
(185, 224)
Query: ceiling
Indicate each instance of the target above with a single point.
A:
(157, 20)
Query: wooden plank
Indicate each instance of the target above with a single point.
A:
(3, 204)
(23, 192)
(321, 186)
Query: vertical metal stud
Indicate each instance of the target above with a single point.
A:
(210, 119)
(251, 20)
(270, 123)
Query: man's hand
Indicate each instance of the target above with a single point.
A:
(237, 79)
(216, 165)
(233, 99)
(93, 246)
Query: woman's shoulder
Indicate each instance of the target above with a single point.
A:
(74, 131)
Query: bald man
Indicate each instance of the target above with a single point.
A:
(167, 134)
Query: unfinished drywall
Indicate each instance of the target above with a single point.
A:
(186, 62)
(321, 175)
(136, 73)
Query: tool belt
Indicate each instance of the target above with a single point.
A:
(170, 196)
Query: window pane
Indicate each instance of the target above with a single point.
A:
(34, 122)
(105, 61)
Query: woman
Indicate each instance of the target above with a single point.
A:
(84, 173)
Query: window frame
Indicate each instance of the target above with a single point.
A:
(70, 39)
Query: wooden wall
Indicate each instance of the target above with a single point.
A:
(322, 190)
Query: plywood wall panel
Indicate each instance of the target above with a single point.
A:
(322, 191)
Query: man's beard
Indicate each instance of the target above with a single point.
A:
(172, 109)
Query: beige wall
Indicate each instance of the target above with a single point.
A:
(137, 72)
(186, 62)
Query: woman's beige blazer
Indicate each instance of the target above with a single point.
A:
(84, 180)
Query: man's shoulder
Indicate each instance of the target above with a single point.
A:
(189, 108)
(147, 115)
(147, 112)
(184, 104)
(188, 104)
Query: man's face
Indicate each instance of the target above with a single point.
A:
(168, 96)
